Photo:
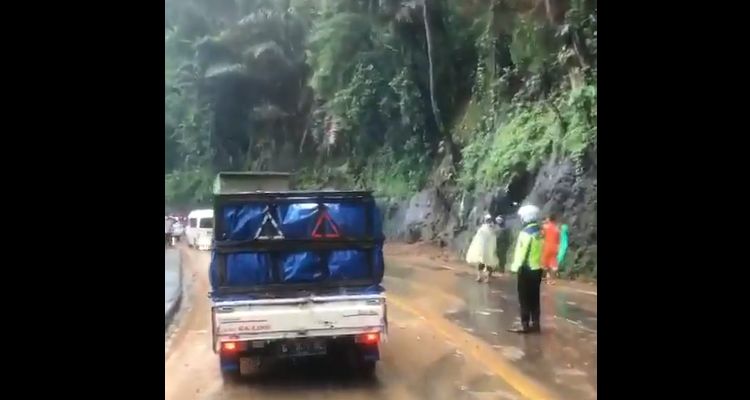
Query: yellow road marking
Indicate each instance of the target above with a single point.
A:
(481, 351)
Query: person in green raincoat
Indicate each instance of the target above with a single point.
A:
(563, 250)
(527, 264)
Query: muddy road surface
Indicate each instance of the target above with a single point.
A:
(447, 340)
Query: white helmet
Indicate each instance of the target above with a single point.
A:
(528, 213)
(487, 218)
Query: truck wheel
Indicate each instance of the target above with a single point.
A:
(230, 376)
(367, 369)
(230, 371)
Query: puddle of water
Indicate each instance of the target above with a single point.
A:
(577, 323)
(512, 353)
(438, 268)
(494, 395)
(569, 372)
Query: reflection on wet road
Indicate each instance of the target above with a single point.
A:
(562, 358)
(447, 340)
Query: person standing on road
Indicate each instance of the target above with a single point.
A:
(482, 250)
(563, 244)
(503, 243)
(527, 264)
(168, 230)
(551, 234)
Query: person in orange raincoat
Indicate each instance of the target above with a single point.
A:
(551, 246)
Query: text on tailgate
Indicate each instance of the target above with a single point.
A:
(244, 327)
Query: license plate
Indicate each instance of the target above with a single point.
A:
(302, 348)
(248, 365)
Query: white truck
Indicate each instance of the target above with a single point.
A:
(295, 274)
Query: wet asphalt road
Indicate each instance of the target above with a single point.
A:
(447, 341)
(562, 358)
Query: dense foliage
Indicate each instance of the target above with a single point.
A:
(376, 93)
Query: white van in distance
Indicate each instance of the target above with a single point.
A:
(200, 229)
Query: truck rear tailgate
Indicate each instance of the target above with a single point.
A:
(298, 317)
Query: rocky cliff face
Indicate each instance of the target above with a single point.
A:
(448, 217)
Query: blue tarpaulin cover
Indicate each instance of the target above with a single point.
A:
(340, 291)
(301, 221)
(297, 221)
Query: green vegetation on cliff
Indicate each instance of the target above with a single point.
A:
(340, 89)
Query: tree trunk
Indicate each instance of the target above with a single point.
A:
(563, 128)
(304, 134)
(492, 57)
(579, 47)
(451, 147)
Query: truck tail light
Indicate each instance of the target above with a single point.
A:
(367, 338)
(229, 346)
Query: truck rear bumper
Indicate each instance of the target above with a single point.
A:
(294, 335)
(298, 318)
(344, 348)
